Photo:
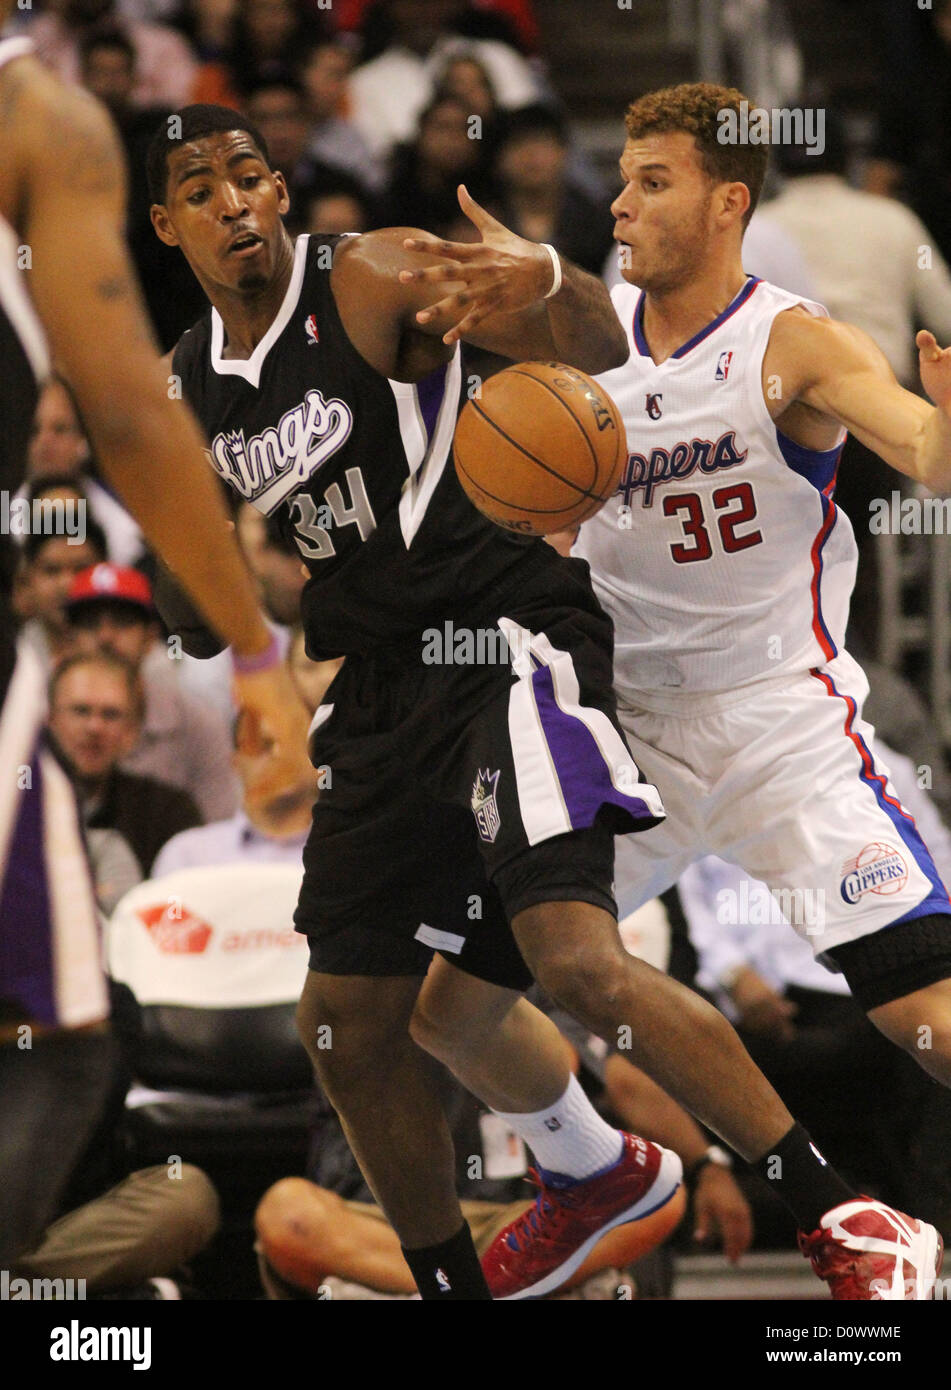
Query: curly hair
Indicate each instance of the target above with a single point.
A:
(694, 108)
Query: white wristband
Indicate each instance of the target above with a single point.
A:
(556, 267)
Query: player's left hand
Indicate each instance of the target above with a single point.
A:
(934, 363)
(273, 720)
(500, 274)
(721, 1210)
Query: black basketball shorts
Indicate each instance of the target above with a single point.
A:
(465, 781)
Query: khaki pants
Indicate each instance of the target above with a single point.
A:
(146, 1226)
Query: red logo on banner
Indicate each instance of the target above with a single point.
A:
(175, 930)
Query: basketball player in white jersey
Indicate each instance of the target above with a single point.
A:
(67, 293)
(727, 569)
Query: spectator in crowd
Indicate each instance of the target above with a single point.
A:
(59, 449)
(421, 190)
(873, 264)
(332, 202)
(208, 27)
(164, 65)
(172, 294)
(267, 831)
(873, 261)
(510, 21)
(50, 564)
(96, 705)
(127, 1242)
(267, 39)
(388, 93)
(278, 108)
(179, 740)
(539, 199)
(334, 139)
(911, 157)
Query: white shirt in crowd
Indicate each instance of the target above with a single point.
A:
(232, 841)
(873, 263)
(388, 93)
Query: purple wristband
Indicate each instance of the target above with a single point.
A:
(261, 661)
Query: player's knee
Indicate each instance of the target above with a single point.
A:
(431, 1031)
(587, 982)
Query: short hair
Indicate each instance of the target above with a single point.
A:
(694, 108)
(284, 81)
(833, 158)
(195, 122)
(50, 482)
(106, 36)
(95, 536)
(111, 661)
(536, 119)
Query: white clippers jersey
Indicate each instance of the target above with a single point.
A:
(722, 558)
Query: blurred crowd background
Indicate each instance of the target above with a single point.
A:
(375, 110)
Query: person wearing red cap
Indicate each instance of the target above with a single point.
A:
(181, 740)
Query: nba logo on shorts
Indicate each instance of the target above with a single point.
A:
(723, 366)
(484, 805)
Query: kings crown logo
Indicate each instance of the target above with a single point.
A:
(484, 805)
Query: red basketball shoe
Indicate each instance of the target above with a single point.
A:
(544, 1246)
(865, 1250)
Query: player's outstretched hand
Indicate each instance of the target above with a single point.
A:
(722, 1212)
(500, 274)
(934, 363)
(273, 720)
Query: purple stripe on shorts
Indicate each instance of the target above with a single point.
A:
(26, 948)
(579, 765)
(430, 392)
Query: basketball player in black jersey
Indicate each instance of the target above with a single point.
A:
(462, 797)
(67, 292)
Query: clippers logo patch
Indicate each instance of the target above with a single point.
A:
(652, 405)
(724, 362)
(877, 868)
(484, 805)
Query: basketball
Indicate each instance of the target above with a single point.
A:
(541, 449)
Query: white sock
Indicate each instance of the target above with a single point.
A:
(569, 1137)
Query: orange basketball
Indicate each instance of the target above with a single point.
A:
(541, 449)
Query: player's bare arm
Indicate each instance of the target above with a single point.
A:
(819, 374)
(73, 208)
(492, 293)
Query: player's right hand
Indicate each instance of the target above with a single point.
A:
(273, 719)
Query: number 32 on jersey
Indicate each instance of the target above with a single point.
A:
(733, 506)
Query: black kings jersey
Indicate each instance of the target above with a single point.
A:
(24, 363)
(357, 467)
